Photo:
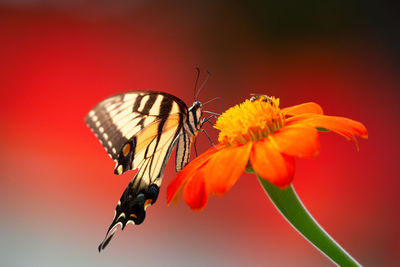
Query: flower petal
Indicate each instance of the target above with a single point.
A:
(270, 164)
(343, 126)
(297, 140)
(195, 192)
(309, 107)
(225, 167)
(188, 172)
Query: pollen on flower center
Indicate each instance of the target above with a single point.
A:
(250, 121)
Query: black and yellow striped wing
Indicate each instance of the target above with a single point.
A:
(139, 130)
(117, 120)
(143, 189)
(183, 147)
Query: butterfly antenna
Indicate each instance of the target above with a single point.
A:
(197, 80)
(202, 85)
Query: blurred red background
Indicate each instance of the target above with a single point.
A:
(58, 191)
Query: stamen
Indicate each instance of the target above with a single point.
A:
(250, 121)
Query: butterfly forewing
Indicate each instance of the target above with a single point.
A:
(139, 130)
(118, 118)
(144, 187)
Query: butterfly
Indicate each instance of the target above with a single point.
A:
(139, 130)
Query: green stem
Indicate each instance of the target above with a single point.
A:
(290, 206)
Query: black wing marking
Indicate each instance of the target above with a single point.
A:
(183, 149)
(143, 190)
(118, 118)
(144, 143)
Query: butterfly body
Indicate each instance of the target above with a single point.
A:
(139, 130)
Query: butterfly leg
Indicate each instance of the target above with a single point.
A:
(209, 138)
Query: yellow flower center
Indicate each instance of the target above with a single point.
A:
(250, 121)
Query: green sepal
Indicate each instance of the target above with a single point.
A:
(320, 129)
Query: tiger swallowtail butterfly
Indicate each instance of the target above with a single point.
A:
(139, 129)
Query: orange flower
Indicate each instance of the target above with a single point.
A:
(258, 134)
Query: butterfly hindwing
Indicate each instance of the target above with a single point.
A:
(139, 130)
(183, 147)
(144, 143)
(143, 190)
